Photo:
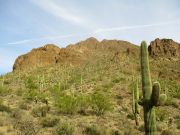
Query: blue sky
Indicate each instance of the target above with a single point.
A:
(26, 24)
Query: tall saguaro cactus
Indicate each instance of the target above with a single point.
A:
(151, 94)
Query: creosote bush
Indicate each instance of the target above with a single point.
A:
(101, 103)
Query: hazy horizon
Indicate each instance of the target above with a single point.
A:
(30, 24)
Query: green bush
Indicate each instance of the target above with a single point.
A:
(101, 103)
(30, 83)
(33, 94)
(67, 104)
(83, 102)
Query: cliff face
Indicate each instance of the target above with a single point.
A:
(78, 53)
(164, 48)
(42, 56)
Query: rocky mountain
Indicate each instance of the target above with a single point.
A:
(164, 48)
(91, 48)
(78, 53)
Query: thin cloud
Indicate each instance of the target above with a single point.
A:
(20, 42)
(134, 27)
(26, 41)
(58, 11)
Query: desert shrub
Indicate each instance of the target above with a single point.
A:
(115, 132)
(2, 122)
(176, 93)
(4, 91)
(101, 103)
(67, 104)
(23, 105)
(56, 91)
(1, 101)
(171, 102)
(161, 114)
(4, 108)
(49, 121)
(167, 132)
(65, 86)
(17, 114)
(178, 124)
(95, 130)
(83, 102)
(130, 116)
(31, 94)
(107, 86)
(30, 83)
(117, 80)
(40, 111)
(64, 129)
(19, 92)
(26, 127)
(175, 104)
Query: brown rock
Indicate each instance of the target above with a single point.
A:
(39, 57)
(74, 54)
(166, 48)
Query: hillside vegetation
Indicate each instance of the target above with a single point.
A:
(92, 97)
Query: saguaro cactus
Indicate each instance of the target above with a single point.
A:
(151, 94)
(135, 105)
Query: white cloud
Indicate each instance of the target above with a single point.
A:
(20, 42)
(134, 27)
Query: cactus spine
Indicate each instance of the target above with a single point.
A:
(151, 94)
(135, 105)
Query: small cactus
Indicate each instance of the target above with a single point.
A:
(135, 105)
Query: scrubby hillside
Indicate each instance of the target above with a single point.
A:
(87, 90)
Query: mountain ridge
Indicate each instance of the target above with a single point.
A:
(81, 52)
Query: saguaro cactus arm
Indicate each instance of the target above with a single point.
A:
(155, 93)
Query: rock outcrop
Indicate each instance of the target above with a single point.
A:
(165, 48)
(74, 54)
(42, 56)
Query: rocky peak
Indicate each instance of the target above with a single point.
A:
(164, 48)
